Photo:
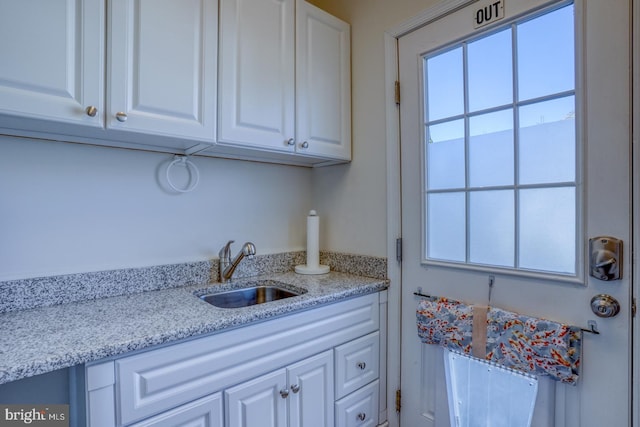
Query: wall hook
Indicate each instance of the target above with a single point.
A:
(194, 174)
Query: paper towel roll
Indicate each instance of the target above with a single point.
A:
(313, 236)
(313, 248)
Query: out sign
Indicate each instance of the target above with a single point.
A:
(488, 13)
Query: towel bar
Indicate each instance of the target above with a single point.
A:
(593, 327)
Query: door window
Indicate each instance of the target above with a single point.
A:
(500, 175)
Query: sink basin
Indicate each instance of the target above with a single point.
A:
(259, 293)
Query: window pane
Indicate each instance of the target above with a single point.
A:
(491, 228)
(490, 71)
(446, 231)
(491, 149)
(445, 85)
(548, 142)
(445, 155)
(546, 54)
(548, 230)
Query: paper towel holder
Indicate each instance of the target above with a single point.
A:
(313, 265)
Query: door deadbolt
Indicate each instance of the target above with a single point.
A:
(605, 258)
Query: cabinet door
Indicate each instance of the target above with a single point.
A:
(52, 61)
(205, 412)
(323, 84)
(162, 67)
(261, 402)
(256, 86)
(311, 391)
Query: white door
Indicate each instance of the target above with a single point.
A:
(259, 402)
(162, 62)
(311, 391)
(520, 217)
(257, 73)
(52, 64)
(323, 83)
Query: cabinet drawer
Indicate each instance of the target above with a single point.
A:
(205, 412)
(359, 409)
(357, 363)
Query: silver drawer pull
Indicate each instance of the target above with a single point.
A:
(362, 416)
(284, 393)
(295, 388)
(362, 365)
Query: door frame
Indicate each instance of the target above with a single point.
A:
(394, 201)
(635, 185)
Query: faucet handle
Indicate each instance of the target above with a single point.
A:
(249, 249)
(225, 252)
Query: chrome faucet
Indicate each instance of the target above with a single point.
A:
(227, 265)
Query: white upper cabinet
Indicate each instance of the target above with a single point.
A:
(52, 66)
(162, 67)
(269, 81)
(284, 83)
(160, 79)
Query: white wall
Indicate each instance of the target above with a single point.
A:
(352, 197)
(70, 208)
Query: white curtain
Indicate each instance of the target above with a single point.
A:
(483, 394)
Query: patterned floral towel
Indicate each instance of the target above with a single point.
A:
(528, 344)
(537, 346)
(445, 322)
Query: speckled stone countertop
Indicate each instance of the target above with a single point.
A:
(45, 339)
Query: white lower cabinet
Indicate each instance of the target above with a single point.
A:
(285, 372)
(300, 395)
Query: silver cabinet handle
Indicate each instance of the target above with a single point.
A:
(91, 111)
(295, 388)
(362, 365)
(121, 117)
(305, 144)
(291, 141)
(362, 416)
(284, 393)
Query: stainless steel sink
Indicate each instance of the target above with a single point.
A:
(257, 292)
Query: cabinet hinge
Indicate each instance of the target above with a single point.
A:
(399, 249)
(397, 92)
(398, 400)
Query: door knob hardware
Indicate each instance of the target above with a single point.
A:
(605, 305)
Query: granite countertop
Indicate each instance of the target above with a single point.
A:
(45, 339)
